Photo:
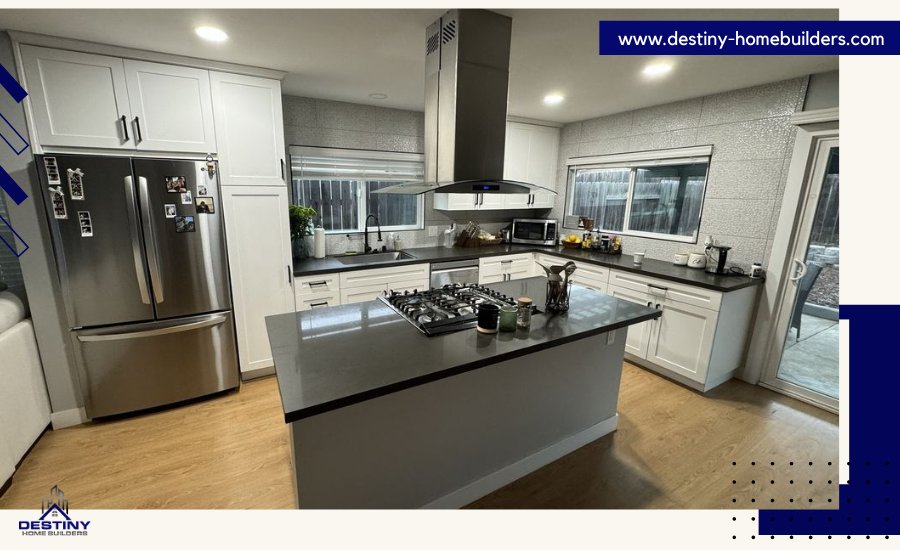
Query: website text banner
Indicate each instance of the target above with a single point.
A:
(749, 37)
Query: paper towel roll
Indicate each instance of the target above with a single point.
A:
(319, 245)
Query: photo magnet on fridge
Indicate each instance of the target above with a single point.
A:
(76, 184)
(58, 200)
(201, 189)
(176, 184)
(205, 205)
(186, 198)
(87, 228)
(170, 210)
(52, 170)
(184, 224)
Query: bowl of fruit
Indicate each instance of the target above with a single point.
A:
(572, 241)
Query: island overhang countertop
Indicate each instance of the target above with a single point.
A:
(333, 357)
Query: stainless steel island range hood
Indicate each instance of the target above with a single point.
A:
(466, 93)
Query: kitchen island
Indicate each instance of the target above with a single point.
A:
(382, 416)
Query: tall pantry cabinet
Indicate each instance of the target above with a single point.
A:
(250, 136)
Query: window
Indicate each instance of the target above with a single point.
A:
(654, 194)
(339, 184)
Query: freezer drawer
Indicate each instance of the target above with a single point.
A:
(132, 367)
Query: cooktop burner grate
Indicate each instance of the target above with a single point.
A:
(446, 309)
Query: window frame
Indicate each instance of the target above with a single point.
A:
(635, 161)
(362, 202)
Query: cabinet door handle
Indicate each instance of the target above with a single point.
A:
(124, 122)
(137, 129)
(475, 200)
(649, 304)
(282, 169)
(317, 304)
(481, 200)
(318, 283)
(290, 276)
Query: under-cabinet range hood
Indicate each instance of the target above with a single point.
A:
(466, 92)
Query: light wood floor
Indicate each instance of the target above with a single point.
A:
(674, 449)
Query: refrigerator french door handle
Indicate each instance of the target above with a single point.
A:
(212, 320)
(152, 251)
(139, 267)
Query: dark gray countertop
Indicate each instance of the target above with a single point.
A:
(652, 268)
(332, 357)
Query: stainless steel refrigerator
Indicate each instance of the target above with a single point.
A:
(140, 250)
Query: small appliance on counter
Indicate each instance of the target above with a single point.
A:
(535, 231)
(717, 256)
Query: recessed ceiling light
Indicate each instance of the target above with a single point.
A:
(553, 99)
(378, 95)
(211, 33)
(657, 69)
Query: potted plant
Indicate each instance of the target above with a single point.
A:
(301, 218)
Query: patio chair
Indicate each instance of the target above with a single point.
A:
(806, 283)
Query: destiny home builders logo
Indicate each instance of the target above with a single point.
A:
(54, 519)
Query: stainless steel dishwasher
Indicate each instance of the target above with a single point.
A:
(457, 271)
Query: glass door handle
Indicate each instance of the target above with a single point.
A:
(801, 270)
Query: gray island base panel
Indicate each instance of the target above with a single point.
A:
(382, 416)
(453, 441)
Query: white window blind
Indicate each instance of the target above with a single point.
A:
(338, 183)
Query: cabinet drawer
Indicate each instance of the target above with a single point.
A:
(362, 294)
(315, 284)
(383, 276)
(659, 289)
(411, 286)
(306, 302)
(589, 283)
(594, 273)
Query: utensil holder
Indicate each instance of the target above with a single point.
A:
(558, 296)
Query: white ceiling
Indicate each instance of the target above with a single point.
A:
(348, 54)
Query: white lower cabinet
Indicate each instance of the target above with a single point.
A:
(362, 294)
(361, 285)
(638, 340)
(701, 336)
(259, 253)
(682, 339)
(505, 268)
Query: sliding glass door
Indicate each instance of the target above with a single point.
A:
(804, 361)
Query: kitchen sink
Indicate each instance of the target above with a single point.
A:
(377, 258)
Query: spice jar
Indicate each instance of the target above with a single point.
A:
(524, 316)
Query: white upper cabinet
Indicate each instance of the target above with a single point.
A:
(171, 107)
(249, 129)
(78, 99)
(531, 153)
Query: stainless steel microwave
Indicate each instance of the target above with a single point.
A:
(540, 232)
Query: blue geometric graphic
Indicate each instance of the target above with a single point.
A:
(13, 88)
(12, 245)
(8, 184)
(868, 502)
(8, 132)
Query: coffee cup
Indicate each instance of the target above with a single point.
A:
(488, 317)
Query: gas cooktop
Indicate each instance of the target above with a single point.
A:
(446, 309)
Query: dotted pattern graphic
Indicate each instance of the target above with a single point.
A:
(865, 504)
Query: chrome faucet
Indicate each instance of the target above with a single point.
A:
(366, 250)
